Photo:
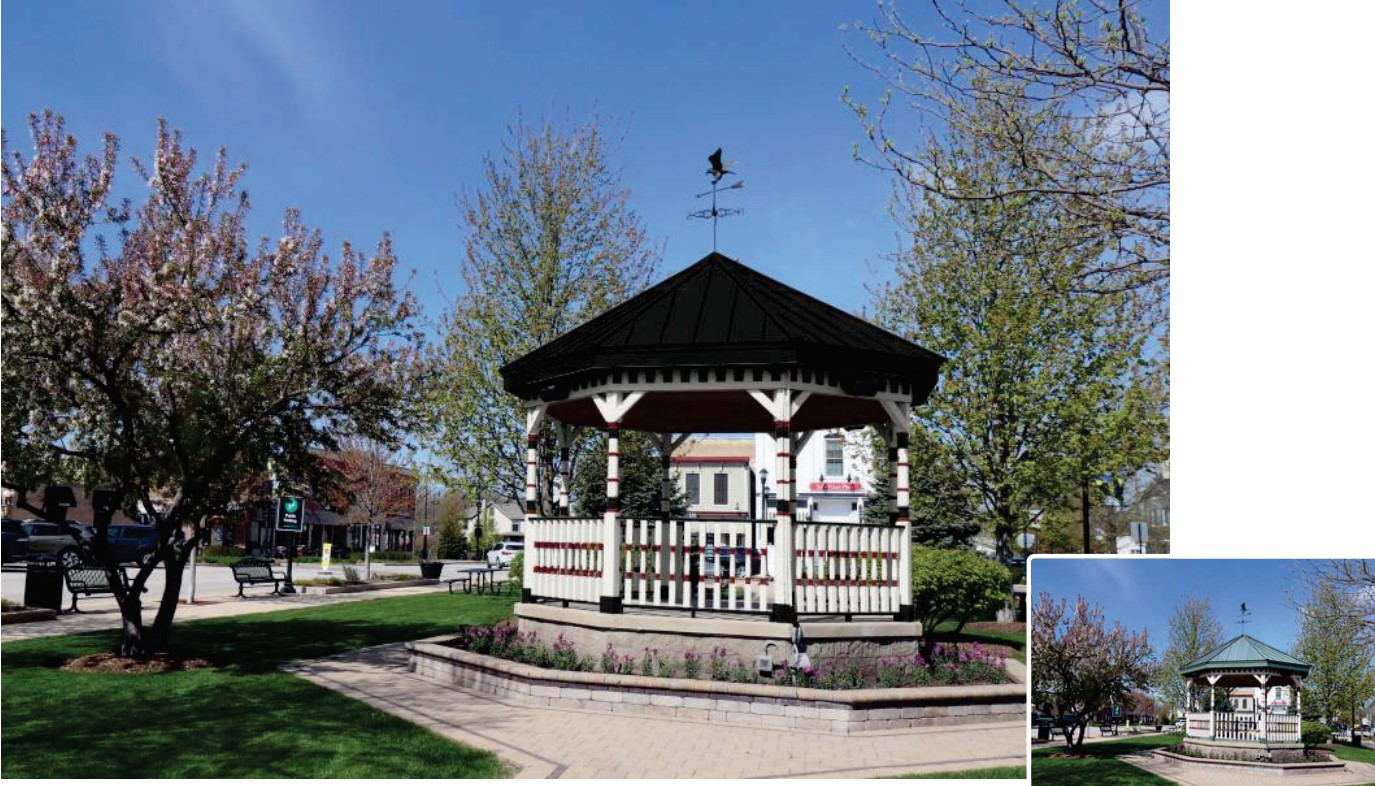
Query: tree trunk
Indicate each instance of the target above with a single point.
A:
(133, 644)
(160, 633)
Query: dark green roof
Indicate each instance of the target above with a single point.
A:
(1244, 652)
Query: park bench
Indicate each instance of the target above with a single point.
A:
(256, 570)
(1107, 728)
(87, 580)
(464, 581)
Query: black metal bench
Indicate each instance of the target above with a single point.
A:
(465, 581)
(1107, 728)
(256, 570)
(87, 580)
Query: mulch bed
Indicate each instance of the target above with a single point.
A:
(110, 663)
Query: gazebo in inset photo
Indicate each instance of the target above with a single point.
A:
(1244, 662)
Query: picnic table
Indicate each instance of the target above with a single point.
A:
(479, 578)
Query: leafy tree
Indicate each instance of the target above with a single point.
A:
(158, 351)
(1194, 631)
(1079, 667)
(1341, 677)
(550, 242)
(954, 585)
(373, 482)
(1352, 581)
(1045, 386)
(453, 524)
(641, 476)
(1097, 143)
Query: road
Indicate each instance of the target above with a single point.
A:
(212, 581)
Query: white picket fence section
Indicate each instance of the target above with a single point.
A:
(1244, 726)
(719, 565)
(731, 563)
(566, 558)
(846, 568)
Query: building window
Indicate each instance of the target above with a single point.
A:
(694, 489)
(722, 495)
(835, 455)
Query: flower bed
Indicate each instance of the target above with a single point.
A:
(1251, 754)
(951, 664)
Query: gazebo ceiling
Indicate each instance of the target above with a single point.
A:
(721, 322)
(1244, 652)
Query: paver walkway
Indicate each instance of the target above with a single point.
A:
(103, 612)
(545, 743)
(1356, 773)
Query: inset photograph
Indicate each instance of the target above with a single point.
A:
(1202, 672)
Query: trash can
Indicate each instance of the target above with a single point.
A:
(1043, 732)
(43, 582)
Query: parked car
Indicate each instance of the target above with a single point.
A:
(15, 540)
(133, 542)
(46, 537)
(505, 551)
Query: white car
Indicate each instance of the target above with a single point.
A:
(505, 551)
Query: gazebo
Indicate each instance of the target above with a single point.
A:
(1244, 662)
(720, 348)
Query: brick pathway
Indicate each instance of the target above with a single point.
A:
(1356, 773)
(550, 743)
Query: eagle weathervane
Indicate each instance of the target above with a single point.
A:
(1242, 618)
(718, 170)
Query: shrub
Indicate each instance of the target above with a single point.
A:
(692, 664)
(956, 585)
(517, 572)
(1315, 734)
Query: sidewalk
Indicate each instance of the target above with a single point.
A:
(545, 743)
(103, 614)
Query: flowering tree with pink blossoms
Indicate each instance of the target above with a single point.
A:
(1079, 667)
(154, 349)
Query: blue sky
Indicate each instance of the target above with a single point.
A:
(1143, 592)
(373, 116)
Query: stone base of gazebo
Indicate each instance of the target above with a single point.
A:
(1241, 750)
(1255, 767)
(674, 634)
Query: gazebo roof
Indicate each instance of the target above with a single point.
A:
(1244, 652)
(720, 313)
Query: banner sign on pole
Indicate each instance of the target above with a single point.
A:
(291, 514)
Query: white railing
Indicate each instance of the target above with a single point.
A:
(846, 568)
(727, 565)
(696, 564)
(564, 558)
(1244, 726)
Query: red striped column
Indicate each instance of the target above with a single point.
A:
(783, 609)
(531, 484)
(906, 611)
(611, 527)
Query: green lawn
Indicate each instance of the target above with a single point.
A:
(997, 773)
(1016, 640)
(1100, 768)
(1348, 752)
(241, 719)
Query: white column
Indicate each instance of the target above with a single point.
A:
(565, 432)
(783, 529)
(533, 417)
(611, 529)
(902, 497)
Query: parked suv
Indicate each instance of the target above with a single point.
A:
(505, 551)
(133, 542)
(15, 539)
(46, 537)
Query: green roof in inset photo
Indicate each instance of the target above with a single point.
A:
(1244, 652)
